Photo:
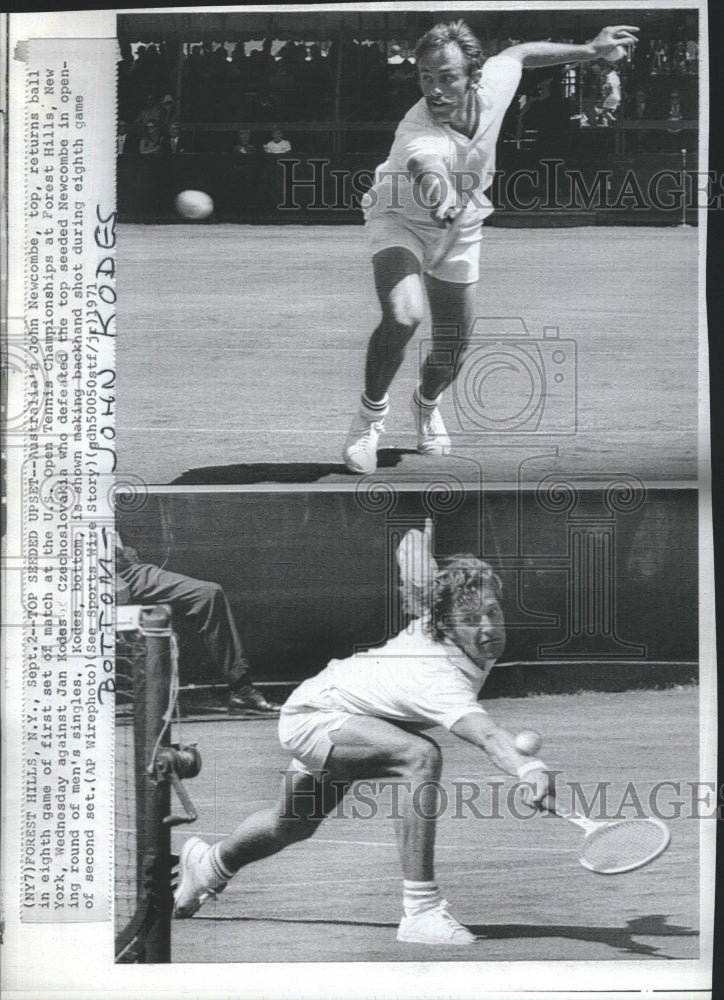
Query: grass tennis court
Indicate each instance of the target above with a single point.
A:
(241, 349)
(518, 884)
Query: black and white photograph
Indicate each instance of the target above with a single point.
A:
(390, 707)
(358, 452)
(505, 283)
(443, 265)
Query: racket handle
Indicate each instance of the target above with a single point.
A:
(445, 242)
(547, 804)
(447, 239)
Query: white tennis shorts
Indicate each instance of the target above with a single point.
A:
(462, 263)
(305, 733)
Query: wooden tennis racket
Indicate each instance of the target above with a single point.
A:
(414, 556)
(446, 240)
(614, 846)
(620, 845)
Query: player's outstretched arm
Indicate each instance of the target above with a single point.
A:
(478, 728)
(435, 185)
(610, 43)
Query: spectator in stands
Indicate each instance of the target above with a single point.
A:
(124, 70)
(532, 110)
(171, 144)
(643, 141)
(673, 111)
(319, 84)
(674, 138)
(238, 59)
(149, 66)
(659, 61)
(220, 84)
(640, 109)
(592, 98)
(169, 111)
(139, 66)
(150, 140)
(150, 112)
(122, 139)
(284, 85)
(403, 86)
(244, 146)
(278, 145)
(611, 93)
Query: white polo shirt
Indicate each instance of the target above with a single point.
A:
(419, 134)
(412, 678)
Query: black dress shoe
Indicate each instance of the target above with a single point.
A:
(248, 700)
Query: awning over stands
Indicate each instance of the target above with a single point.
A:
(577, 25)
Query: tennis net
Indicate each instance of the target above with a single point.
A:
(146, 691)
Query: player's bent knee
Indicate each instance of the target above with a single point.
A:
(404, 317)
(423, 758)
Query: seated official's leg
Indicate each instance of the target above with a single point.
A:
(200, 602)
(399, 287)
(205, 607)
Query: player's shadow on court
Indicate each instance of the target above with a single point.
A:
(283, 472)
(619, 938)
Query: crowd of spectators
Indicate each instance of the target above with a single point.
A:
(611, 93)
(162, 84)
(167, 139)
(296, 81)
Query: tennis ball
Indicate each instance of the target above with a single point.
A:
(194, 205)
(528, 742)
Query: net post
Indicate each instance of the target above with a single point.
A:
(154, 797)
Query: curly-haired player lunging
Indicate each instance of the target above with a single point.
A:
(364, 718)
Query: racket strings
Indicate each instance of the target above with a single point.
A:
(624, 844)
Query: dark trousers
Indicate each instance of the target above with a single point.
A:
(201, 604)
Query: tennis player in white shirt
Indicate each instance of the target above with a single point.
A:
(365, 718)
(441, 164)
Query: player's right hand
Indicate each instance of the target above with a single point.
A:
(438, 194)
(615, 42)
(537, 789)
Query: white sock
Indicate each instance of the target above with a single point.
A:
(417, 897)
(423, 402)
(373, 407)
(215, 871)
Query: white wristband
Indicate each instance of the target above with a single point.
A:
(530, 765)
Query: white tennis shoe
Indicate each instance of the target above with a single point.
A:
(435, 926)
(195, 883)
(360, 446)
(432, 438)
